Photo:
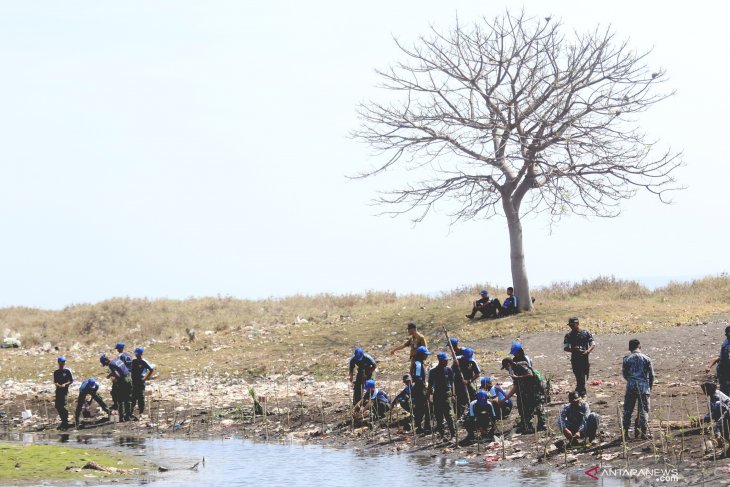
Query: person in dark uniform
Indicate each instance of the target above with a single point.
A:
(122, 377)
(579, 343)
(365, 367)
(374, 400)
(127, 359)
(141, 371)
(530, 401)
(455, 345)
(421, 415)
(405, 400)
(483, 305)
(441, 389)
(719, 414)
(481, 416)
(467, 371)
(723, 364)
(88, 387)
(62, 378)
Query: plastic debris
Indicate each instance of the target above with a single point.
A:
(461, 462)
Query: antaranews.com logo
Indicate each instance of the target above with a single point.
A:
(657, 474)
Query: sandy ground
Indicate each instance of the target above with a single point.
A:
(301, 409)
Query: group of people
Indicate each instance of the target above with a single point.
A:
(437, 397)
(128, 375)
(491, 307)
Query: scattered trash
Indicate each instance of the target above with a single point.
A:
(26, 414)
(11, 343)
(491, 459)
(597, 382)
(461, 462)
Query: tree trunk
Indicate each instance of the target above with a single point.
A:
(517, 256)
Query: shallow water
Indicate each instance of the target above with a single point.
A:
(234, 462)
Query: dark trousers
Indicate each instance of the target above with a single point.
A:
(483, 419)
(138, 396)
(80, 405)
(61, 404)
(488, 310)
(378, 409)
(124, 398)
(634, 398)
(581, 368)
(530, 405)
(465, 394)
(442, 412)
(420, 406)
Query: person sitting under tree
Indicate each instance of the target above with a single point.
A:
(485, 306)
(509, 305)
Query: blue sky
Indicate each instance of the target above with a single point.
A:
(176, 149)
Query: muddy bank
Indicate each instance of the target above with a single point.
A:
(300, 408)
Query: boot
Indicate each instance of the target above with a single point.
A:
(469, 440)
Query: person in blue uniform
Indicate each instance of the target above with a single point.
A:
(481, 417)
(498, 397)
(366, 366)
(579, 344)
(62, 379)
(576, 421)
(441, 389)
(122, 377)
(374, 400)
(141, 371)
(421, 414)
(466, 372)
(723, 364)
(639, 374)
(91, 388)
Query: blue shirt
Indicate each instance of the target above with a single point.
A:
(118, 368)
(574, 417)
(475, 408)
(723, 367)
(638, 372)
(379, 395)
(86, 389)
(419, 372)
(404, 396)
(140, 367)
(127, 359)
(366, 363)
(510, 302)
(499, 393)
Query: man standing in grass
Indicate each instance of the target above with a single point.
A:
(579, 343)
(639, 375)
(62, 378)
(415, 340)
(723, 364)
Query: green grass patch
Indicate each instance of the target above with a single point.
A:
(21, 463)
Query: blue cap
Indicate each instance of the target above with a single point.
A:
(482, 398)
(442, 356)
(454, 340)
(359, 353)
(486, 380)
(422, 349)
(119, 345)
(484, 292)
(103, 359)
(61, 359)
(138, 351)
(369, 384)
(516, 346)
(91, 382)
(467, 353)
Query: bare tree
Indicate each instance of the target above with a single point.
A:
(512, 116)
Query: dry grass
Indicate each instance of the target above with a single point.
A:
(315, 334)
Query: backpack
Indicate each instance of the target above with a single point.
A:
(543, 384)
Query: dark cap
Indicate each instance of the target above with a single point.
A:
(407, 377)
(573, 321)
(412, 325)
(573, 395)
(506, 362)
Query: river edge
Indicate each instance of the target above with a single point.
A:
(303, 410)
